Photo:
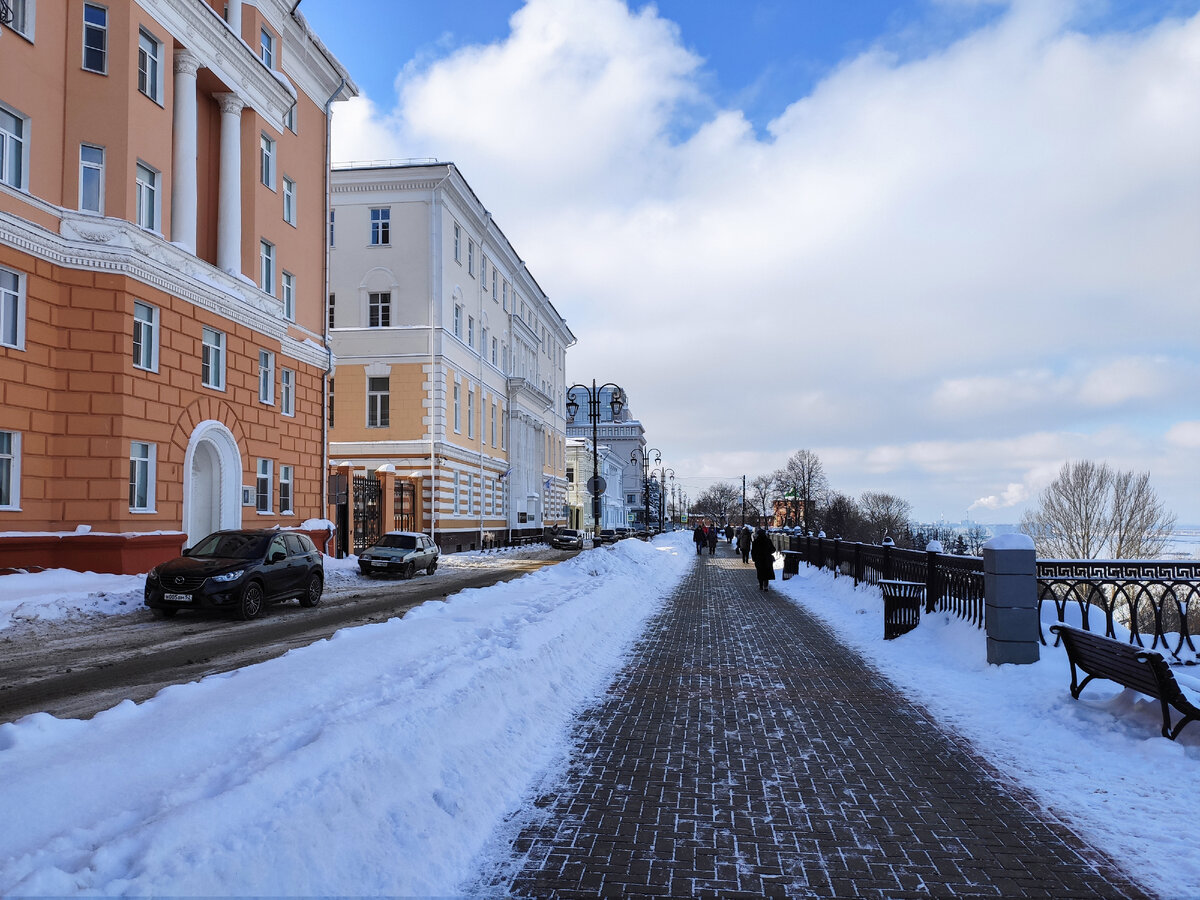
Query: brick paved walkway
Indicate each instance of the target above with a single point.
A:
(744, 751)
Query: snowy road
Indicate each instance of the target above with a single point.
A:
(82, 666)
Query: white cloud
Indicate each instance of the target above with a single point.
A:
(995, 239)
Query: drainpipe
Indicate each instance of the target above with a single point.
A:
(435, 290)
(325, 323)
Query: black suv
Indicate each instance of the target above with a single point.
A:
(238, 571)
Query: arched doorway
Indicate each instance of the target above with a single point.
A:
(212, 482)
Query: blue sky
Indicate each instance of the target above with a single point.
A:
(947, 245)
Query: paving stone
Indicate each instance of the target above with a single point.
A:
(744, 751)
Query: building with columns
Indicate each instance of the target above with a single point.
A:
(163, 356)
(625, 436)
(450, 356)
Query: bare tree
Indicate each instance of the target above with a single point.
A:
(720, 502)
(802, 481)
(977, 535)
(762, 489)
(1091, 511)
(842, 518)
(885, 514)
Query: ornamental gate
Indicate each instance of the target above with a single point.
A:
(368, 512)
(405, 509)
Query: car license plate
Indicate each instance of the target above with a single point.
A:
(379, 562)
(178, 598)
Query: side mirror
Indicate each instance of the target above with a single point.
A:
(187, 551)
(277, 556)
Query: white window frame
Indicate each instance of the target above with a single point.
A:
(458, 243)
(471, 332)
(146, 196)
(495, 345)
(102, 30)
(289, 118)
(149, 66)
(266, 48)
(482, 265)
(471, 257)
(145, 336)
(379, 309)
(12, 309)
(495, 279)
(142, 476)
(332, 310)
(379, 402)
(10, 470)
(263, 500)
(331, 221)
(266, 377)
(266, 266)
(89, 168)
(287, 498)
(381, 226)
(470, 412)
(24, 18)
(493, 423)
(14, 151)
(287, 282)
(289, 201)
(458, 314)
(212, 358)
(458, 409)
(287, 392)
(504, 294)
(457, 495)
(267, 149)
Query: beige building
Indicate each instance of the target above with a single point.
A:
(450, 357)
(163, 174)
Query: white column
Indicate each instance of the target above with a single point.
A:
(229, 199)
(234, 16)
(183, 190)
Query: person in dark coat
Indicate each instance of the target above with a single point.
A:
(744, 539)
(712, 540)
(762, 551)
(700, 538)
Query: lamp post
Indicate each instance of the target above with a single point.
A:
(661, 477)
(596, 485)
(633, 458)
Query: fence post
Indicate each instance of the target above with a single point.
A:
(857, 562)
(837, 557)
(933, 581)
(1010, 598)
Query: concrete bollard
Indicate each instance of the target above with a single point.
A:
(1010, 599)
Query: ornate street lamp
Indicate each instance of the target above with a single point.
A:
(596, 485)
(633, 458)
(664, 474)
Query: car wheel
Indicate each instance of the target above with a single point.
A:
(312, 594)
(251, 603)
(432, 568)
(160, 613)
(410, 569)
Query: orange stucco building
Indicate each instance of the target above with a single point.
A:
(163, 333)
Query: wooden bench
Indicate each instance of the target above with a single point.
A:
(1128, 665)
(791, 563)
(902, 601)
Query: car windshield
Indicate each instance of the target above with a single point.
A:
(398, 541)
(232, 546)
(568, 532)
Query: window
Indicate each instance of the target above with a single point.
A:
(493, 423)
(262, 486)
(149, 65)
(141, 477)
(266, 377)
(494, 280)
(212, 359)
(289, 119)
(12, 310)
(266, 266)
(457, 243)
(332, 306)
(287, 395)
(458, 408)
(381, 226)
(145, 336)
(23, 17)
(470, 412)
(504, 295)
(457, 495)
(266, 48)
(379, 309)
(494, 344)
(91, 178)
(483, 341)
(285, 490)
(470, 331)
(95, 38)
(378, 402)
(470, 257)
(289, 200)
(331, 212)
(329, 408)
(14, 130)
(10, 469)
(266, 161)
(146, 197)
(470, 492)
(458, 315)
(289, 296)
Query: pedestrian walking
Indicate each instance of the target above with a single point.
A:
(762, 551)
(712, 540)
(744, 540)
(700, 538)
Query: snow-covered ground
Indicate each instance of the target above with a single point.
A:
(380, 761)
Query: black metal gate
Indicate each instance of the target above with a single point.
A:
(368, 512)
(405, 510)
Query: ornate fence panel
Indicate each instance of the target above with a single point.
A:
(957, 587)
(1156, 600)
(368, 512)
